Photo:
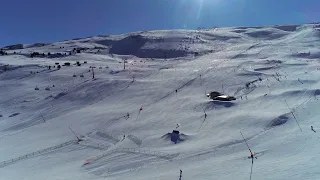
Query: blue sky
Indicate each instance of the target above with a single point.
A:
(30, 21)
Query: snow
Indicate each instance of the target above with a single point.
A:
(162, 76)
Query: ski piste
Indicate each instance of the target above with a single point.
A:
(101, 110)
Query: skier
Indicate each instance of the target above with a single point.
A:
(252, 156)
(205, 115)
(313, 129)
(141, 108)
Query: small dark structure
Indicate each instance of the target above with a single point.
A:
(175, 136)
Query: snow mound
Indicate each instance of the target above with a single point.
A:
(289, 28)
(278, 121)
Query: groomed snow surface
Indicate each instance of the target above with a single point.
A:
(265, 68)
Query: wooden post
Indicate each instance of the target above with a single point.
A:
(75, 134)
(92, 72)
(222, 88)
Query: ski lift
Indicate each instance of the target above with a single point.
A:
(47, 89)
(74, 75)
(81, 75)
(36, 88)
(214, 95)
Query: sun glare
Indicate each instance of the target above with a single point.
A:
(200, 8)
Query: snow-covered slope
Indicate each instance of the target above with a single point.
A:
(167, 75)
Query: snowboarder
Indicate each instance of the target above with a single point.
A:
(313, 129)
(127, 116)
